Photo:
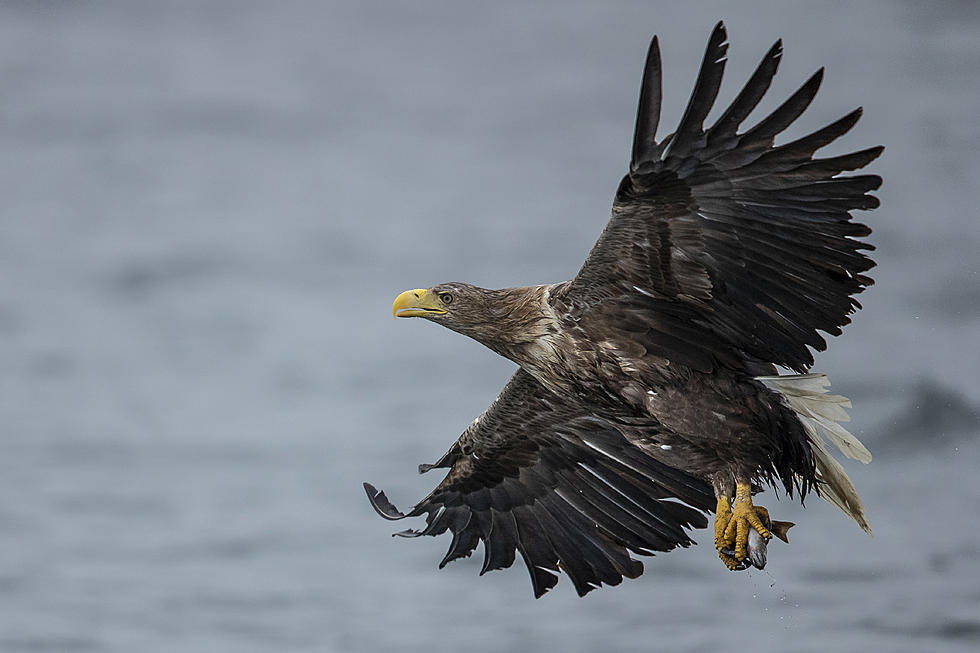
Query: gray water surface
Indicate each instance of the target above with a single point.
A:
(207, 209)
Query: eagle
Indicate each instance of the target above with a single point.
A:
(648, 393)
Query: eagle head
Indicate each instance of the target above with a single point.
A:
(459, 306)
(501, 319)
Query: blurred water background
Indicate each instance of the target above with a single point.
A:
(206, 209)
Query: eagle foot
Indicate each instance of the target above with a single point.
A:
(737, 545)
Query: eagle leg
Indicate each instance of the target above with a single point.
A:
(756, 542)
(724, 492)
(723, 516)
(743, 517)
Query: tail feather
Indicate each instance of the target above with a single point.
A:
(818, 411)
(836, 487)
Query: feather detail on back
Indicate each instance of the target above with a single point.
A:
(806, 395)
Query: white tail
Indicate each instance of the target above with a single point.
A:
(807, 395)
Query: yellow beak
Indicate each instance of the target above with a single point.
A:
(417, 303)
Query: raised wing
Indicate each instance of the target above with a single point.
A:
(723, 247)
(537, 476)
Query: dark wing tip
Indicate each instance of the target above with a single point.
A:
(648, 111)
(717, 43)
(381, 504)
(748, 98)
(809, 89)
(874, 182)
(864, 157)
(848, 121)
(786, 113)
(542, 581)
(691, 127)
(776, 51)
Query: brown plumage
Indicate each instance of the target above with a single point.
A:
(639, 383)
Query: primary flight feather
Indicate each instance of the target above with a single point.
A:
(647, 393)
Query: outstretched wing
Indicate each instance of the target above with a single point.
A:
(723, 247)
(538, 476)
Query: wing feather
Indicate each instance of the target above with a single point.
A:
(648, 112)
(690, 131)
(728, 250)
(538, 476)
(762, 135)
(747, 100)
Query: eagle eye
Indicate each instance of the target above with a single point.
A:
(446, 298)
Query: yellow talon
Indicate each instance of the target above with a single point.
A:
(723, 516)
(743, 516)
(738, 547)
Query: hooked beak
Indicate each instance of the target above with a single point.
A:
(417, 303)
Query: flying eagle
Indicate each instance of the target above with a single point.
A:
(647, 393)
